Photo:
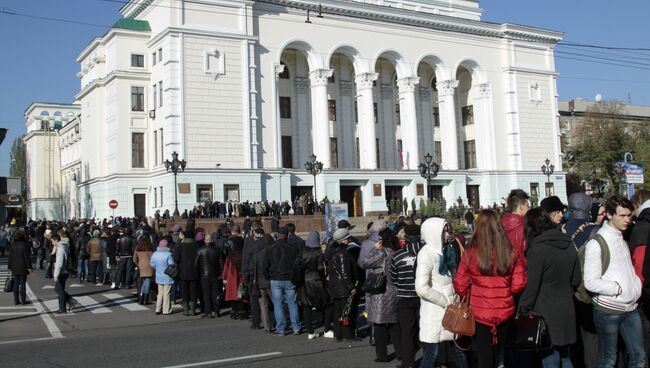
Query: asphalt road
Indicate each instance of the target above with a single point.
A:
(109, 329)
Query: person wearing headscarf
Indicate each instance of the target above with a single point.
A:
(579, 216)
(313, 294)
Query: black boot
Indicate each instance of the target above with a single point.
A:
(193, 308)
(140, 298)
(186, 309)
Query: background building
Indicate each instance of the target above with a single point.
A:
(245, 91)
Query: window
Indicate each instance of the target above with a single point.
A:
(468, 115)
(203, 193)
(334, 153)
(137, 149)
(137, 61)
(137, 98)
(285, 107)
(161, 196)
(285, 72)
(550, 190)
(162, 147)
(331, 109)
(155, 197)
(376, 112)
(160, 54)
(155, 95)
(154, 58)
(398, 118)
(438, 153)
(436, 117)
(287, 152)
(377, 151)
(470, 154)
(400, 153)
(534, 189)
(155, 148)
(230, 192)
(160, 94)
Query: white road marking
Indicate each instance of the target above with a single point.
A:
(225, 360)
(76, 285)
(53, 306)
(19, 307)
(47, 319)
(33, 313)
(125, 302)
(92, 305)
(48, 287)
(28, 340)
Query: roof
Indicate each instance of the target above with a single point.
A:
(132, 24)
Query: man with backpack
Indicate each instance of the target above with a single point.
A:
(615, 287)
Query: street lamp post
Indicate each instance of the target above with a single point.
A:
(175, 165)
(621, 168)
(314, 168)
(547, 169)
(428, 170)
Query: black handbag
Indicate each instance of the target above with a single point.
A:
(171, 271)
(375, 281)
(9, 284)
(528, 333)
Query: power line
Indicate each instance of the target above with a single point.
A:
(6, 11)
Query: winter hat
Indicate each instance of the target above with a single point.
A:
(313, 240)
(345, 224)
(163, 243)
(200, 236)
(341, 234)
(412, 230)
(552, 203)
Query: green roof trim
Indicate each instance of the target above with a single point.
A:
(132, 24)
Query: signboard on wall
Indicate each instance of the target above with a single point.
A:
(634, 173)
(334, 212)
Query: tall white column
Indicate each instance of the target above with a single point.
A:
(408, 121)
(346, 138)
(390, 154)
(484, 128)
(319, 115)
(448, 128)
(277, 125)
(367, 134)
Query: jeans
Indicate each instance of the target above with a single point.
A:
(82, 269)
(430, 354)
(124, 264)
(284, 291)
(608, 327)
(557, 358)
(64, 297)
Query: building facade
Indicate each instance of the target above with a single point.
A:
(246, 91)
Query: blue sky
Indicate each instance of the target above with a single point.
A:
(37, 62)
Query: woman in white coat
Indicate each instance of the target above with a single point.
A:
(436, 291)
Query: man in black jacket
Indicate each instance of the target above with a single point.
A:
(278, 269)
(260, 293)
(209, 266)
(125, 248)
(20, 265)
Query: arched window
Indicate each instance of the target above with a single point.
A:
(285, 72)
(45, 113)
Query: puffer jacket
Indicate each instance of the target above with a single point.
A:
(313, 292)
(491, 296)
(515, 226)
(435, 290)
(382, 308)
(342, 271)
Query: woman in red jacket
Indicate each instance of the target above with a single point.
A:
(495, 273)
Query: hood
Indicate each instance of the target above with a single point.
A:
(642, 208)
(432, 233)
(374, 237)
(512, 221)
(580, 206)
(553, 238)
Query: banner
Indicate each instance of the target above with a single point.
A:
(334, 212)
(633, 173)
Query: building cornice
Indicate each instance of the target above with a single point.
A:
(100, 41)
(424, 20)
(530, 71)
(199, 32)
(121, 74)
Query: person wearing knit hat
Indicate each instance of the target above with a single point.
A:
(343, 282)
(160, 260)
(313, 293)
(340, 234)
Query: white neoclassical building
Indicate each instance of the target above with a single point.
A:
(246, 91)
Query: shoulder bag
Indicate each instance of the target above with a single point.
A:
(528, 333)
(9, 284)
(171, 271)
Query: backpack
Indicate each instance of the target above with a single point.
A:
(581, 293)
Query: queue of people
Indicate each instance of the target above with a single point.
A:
(581, 268)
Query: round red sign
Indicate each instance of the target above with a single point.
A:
(112, 204)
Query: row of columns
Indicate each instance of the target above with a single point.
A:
(367, 136)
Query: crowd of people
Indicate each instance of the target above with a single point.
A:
(581, 267)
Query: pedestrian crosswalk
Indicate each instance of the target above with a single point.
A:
(4, 270)
(99, 304)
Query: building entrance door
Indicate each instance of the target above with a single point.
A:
(140, 205)
(394, 198)
(473, 197)
(351, 195)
